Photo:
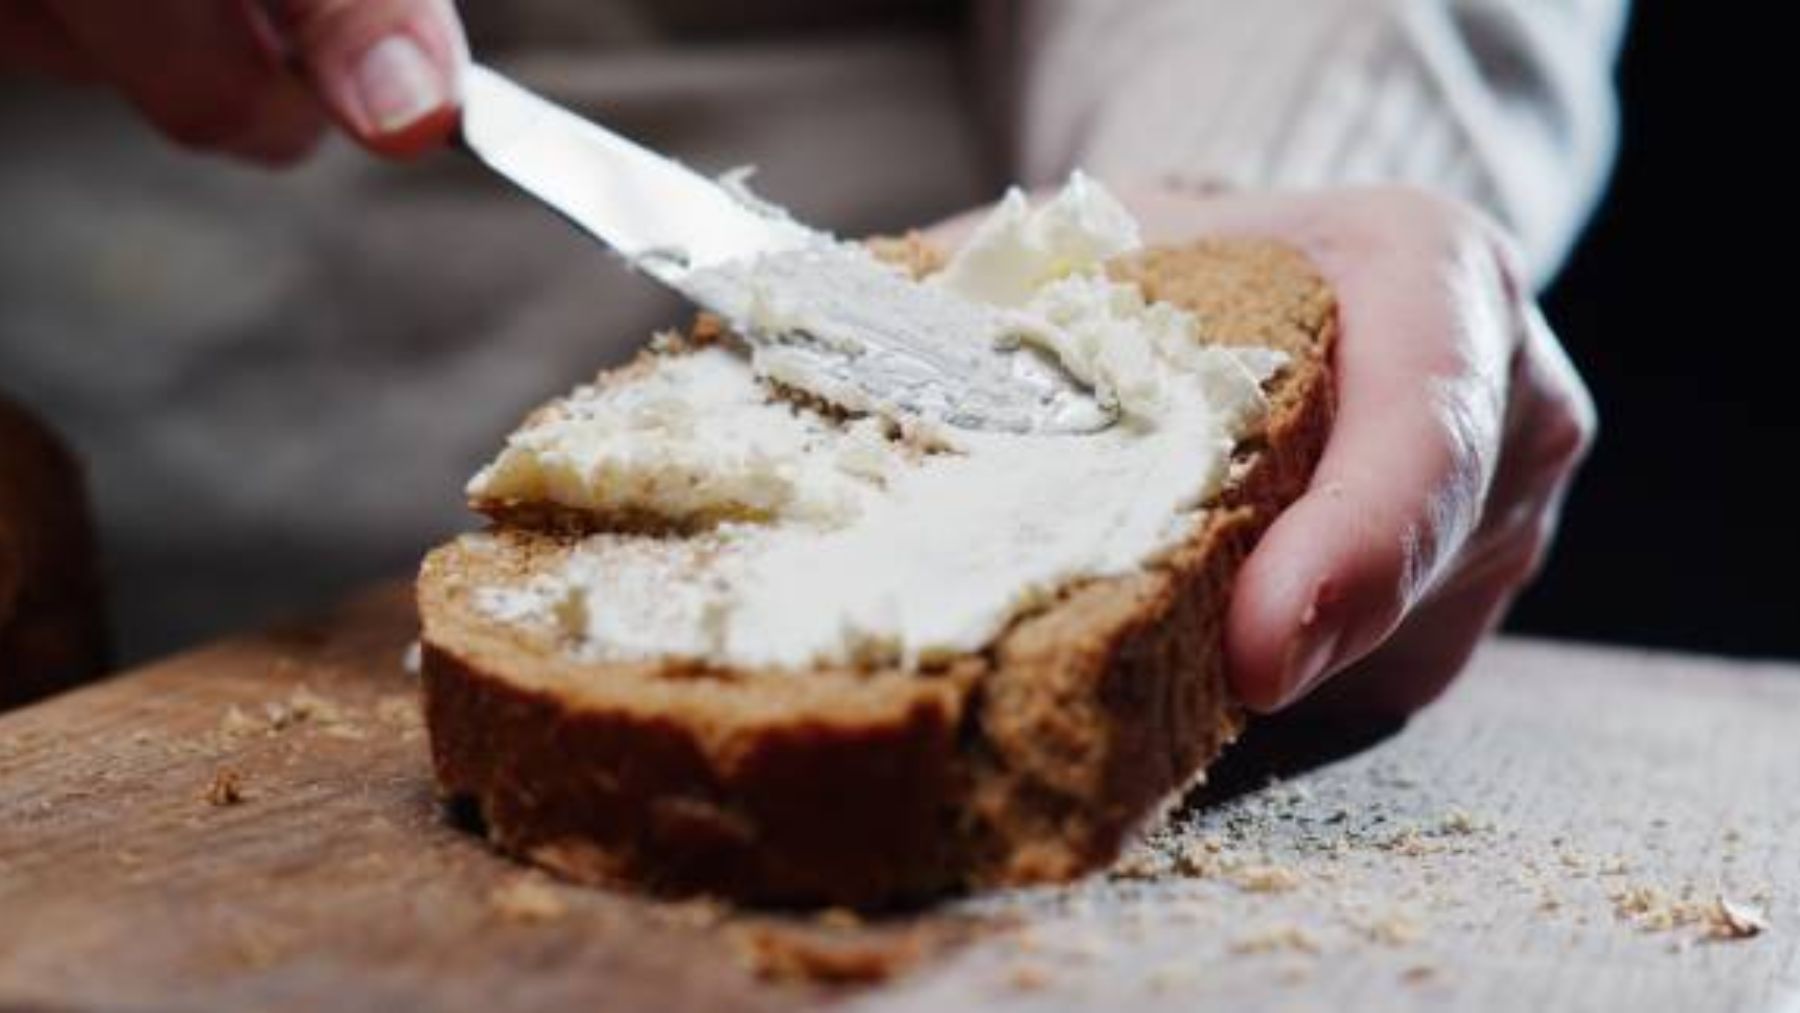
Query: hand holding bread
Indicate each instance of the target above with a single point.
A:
(1461, 423)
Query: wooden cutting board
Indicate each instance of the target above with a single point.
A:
(253, 826)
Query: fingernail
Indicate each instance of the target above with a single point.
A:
(397, 85)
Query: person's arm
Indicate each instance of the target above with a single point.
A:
(258, 79)
(1461, 421)
(1505, 104)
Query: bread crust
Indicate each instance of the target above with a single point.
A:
(1031, 761)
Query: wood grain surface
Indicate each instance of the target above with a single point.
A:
(252, 826)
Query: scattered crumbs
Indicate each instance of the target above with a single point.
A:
(1419, 974)
(402, 711)
(1732, 919)
(236, 724)
(785, 953)
(1138, 863)
(1409, 842)
(304, 704)
(1617, 865)
(1289, 793)
(1654, 909)
(278, 716)
(226, 789)
(1266, 879)
(526, 899)
(1202, 859)
(838, 918)
(1276, 939)
(1460, 823)
(1393, 929)
(1637, 900)
(698, 913)
(1028, 977)
(141, 738)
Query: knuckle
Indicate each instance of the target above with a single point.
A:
(1438, 214)
(1564, 434)
(1522, 559)
(1441, 229)
(1577, 427)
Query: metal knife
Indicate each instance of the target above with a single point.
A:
(879, 336)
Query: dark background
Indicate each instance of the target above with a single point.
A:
(1685, 530)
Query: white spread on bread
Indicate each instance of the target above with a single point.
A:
(825, 541)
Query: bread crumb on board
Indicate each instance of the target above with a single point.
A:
(527, 899)
(1029, 977)
(1394, 929)
(1419, 974)
(823, 954)
(235, 723)
(1277, 939)
(697, 913)
(1719, 918)
(401, 711)
(305, 706)
(1733, 919)
(225, 789)
(1266, 879)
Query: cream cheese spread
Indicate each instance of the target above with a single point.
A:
(823, 541)
(827, 317)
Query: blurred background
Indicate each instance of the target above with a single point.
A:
(1684, 531)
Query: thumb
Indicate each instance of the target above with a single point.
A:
(388, 70)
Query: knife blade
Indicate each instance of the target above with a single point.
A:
(868, 339)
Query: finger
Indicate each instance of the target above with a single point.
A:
(288, 125)
(1551, 425)
(33, 41)
(1403, 477)
(194, 68)
(388, 70)
(1414, 666)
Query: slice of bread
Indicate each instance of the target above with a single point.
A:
(1031, 760)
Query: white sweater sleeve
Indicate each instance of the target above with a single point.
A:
(1505, 103)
